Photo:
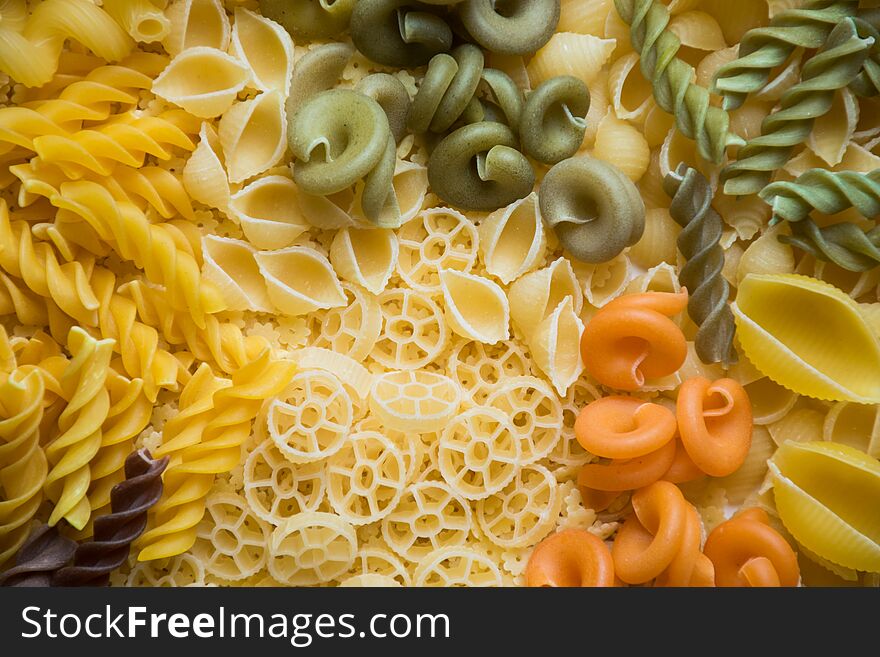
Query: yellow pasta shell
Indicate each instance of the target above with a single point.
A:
(826, 495)
(476, 308)
(196, 23)
(620, 144)
(697, 29)
(365, 256)
(584, 16)
(512, 239)
(266, 210)
(580, 55)
(556, 346)
(809, 337)
(833, 132)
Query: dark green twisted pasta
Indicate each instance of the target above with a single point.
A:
(477, 167)
(828, 192)
(671, 79)
(446, 90)
(699, 242)
(554, 119)
(400, 33)
(513, 27)
(316, 71)
(390, 93)
(844, 244)
(339, 137)
(595, 210)
(309, 19)
(867, 83)
(764, 48)
(831, 69)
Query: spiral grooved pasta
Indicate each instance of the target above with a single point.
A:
(446, 90)
(834, 67)
(114, 533)
(44, 552)
(844, 244)
(698, 242)
(828, 192)
(671, 78)
(762, 49)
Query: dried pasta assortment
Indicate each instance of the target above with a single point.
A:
(446, 293)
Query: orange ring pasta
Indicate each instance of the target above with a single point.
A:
(716, 437)
(623, 427)
(747, 551)
(572, 557)
(628, 474)
(683, 468)
(633, 339)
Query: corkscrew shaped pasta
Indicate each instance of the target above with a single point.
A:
(671, 78)
(308, 19)
(94, 560)
(762, 49)
(699, 243)
(571, 557)
(747, 551)
(214, 448)
(844, 244)
(828, 192)
(554, 119)
(833, 68)
(521, 28)
(30, 54)
(43, 553)
(80, 428)
(400, 33)
(595, 210)
(23, 465)
(446, 90)
(867, 83)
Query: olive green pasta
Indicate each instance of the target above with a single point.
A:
(671, 79)
(446, 90)
(595, 210)
(523, 26)
(764, 48)
(867, 83)
(400, 33)
(699, 242)
(316, 71)
(478, 167)
(831, 69)
(500, 98)
(844, 244)
(554, 119)
(390, 93)
(828, 192)
(309, 19)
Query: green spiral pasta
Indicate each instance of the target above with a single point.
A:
(478, 167)
(554, 119)
(764, 48)
(392, 96)
(828, 192)
(516, 27)
(309, 19)
(595, 210)
(831, 69)
(446, 90)
(671, 78)
(699, 242)
(867, 83)
(400, 33)
(844, 244)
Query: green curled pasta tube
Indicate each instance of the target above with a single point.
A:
(446, 90)
(764, 48)
(521, 27)
(478, 167)
(595, 210)
(309, 19)
(503, 99)
(317, 71)
(700, 243)
(671, 78)
(844, 244)
(833, 68)
(867, 83)
(554, 119)
(400, 33)
(828, 192)
(390, 93)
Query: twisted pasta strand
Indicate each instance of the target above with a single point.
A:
(671, 78)
(764, 48)
(867, 83)
(844, 244)
(43, 553)
(832, 69)
(828, 192)
(446, 90)
(699, 243)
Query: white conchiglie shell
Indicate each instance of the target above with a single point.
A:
(300, 280)
(410, 186)
(536, 295)
(253, 134)
(697, 29)
(512, 239)
(580, 55)
(326, 212)
(204, 175)
(365, 256)
(606, 281)
(476, 308)
(203, 81)
(556, 346)
(196, 23)
(266, 48)
(833, 132)
(631, 94)
(620, 144)
(231, 266)
(268, 213)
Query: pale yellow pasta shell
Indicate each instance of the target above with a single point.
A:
(747, 215)
(748, 478)
(367, 257)
(767, 255)
(476, 308)
(658, 123)
(300, 280)
(800, 424)
(710, 64)
(326, 212)
(580, 55)
(203, 81)
(659, 241)
(556, 346)
(770, 401)
(267, 211)
(856, 158)
(231, 266)
(781, 81)
(662, 278)
(620, 144)
(833, 132)
(604, 282)
(746, 121)
(410, 186)
(253, 134)
(512, 239)
(196, 23)
(736, 17)
(631, 94)
(584, 16)
(266, 48)
(697, 29)
(204, 175)
(600, 105)
(537, 294)
(618, 31)
(856, 425)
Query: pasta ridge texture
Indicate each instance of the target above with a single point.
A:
(828, 192)
(44, 552)
(844, 244)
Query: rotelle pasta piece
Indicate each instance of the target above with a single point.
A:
(595, 210)
(633, 339)
(716, 437)
(570, 558)
(747, 551)
(624, 427)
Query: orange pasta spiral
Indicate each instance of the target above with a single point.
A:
(571, 558)
(747, 551)
(661, 542)
(633, 339)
